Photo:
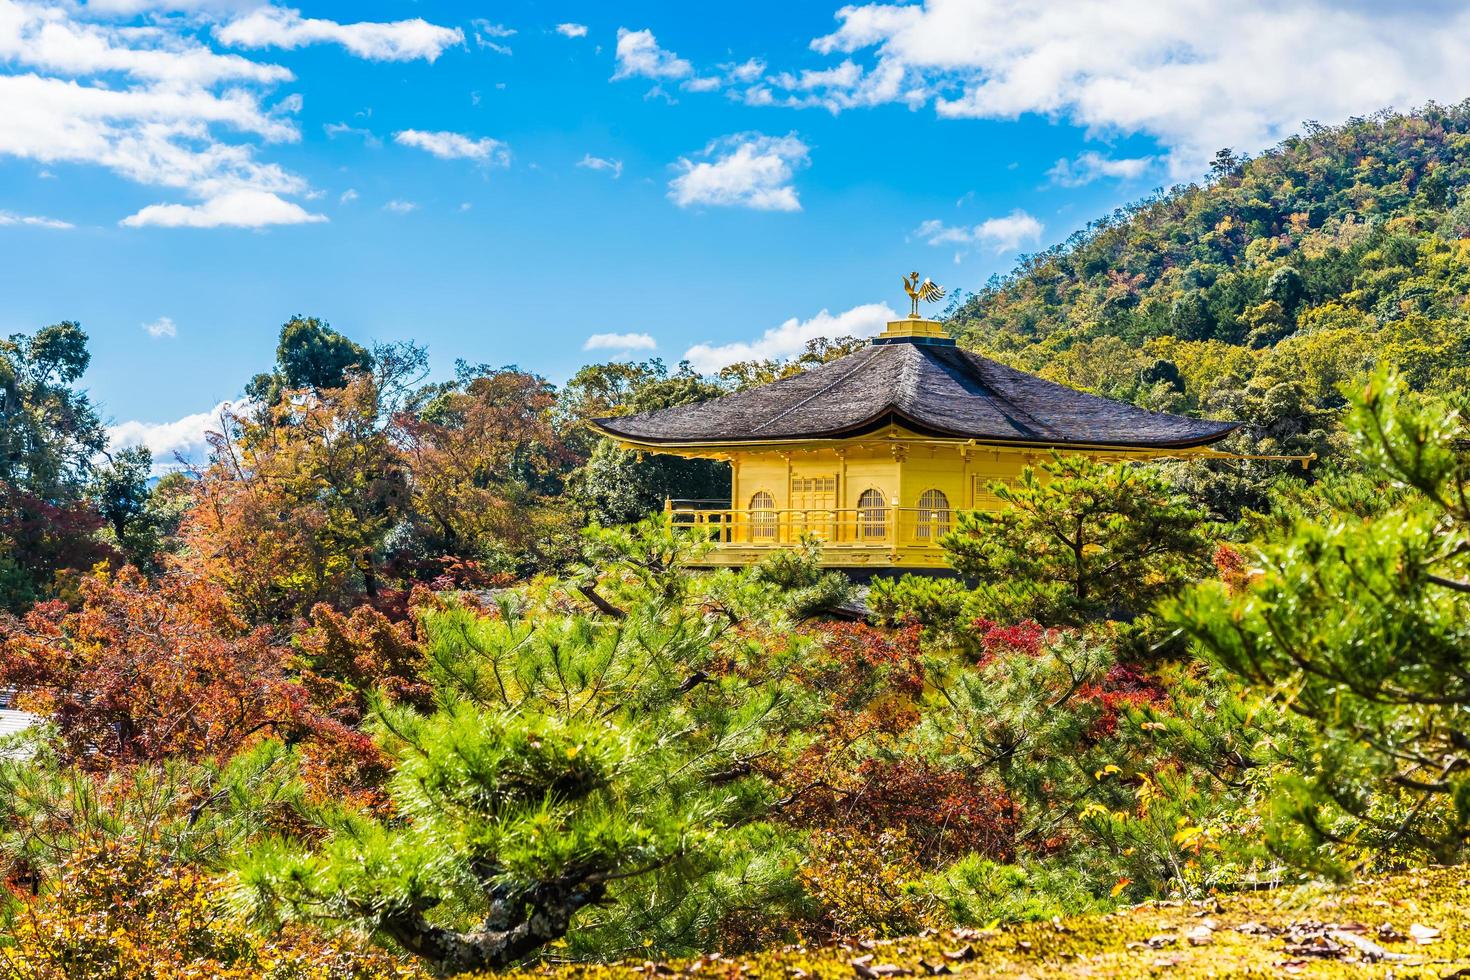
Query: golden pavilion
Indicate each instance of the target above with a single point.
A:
(874, 452)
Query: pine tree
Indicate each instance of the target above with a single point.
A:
(1080, 540)
(572, 759)
(1361, 624)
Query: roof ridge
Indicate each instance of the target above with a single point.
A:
(972, 358)
(908, 378)
(816, 394)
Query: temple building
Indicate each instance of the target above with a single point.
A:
(875, 451)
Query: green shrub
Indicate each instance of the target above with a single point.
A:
(940, 603)
(975, 891)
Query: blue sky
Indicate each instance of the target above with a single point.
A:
(505, 182)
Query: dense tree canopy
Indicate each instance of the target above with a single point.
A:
(310, 354)
(49, 431)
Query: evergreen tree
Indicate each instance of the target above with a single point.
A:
(309, 354)
(1361, 624)
(570, 761)
(1080, 540)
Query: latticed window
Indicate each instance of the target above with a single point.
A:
(933, 517)
(813, 484)
(813, 492)
(987, 499)
(762, 517)
(872, 515)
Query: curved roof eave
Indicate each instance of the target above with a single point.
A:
(891, 415)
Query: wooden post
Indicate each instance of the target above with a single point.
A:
(967, 482)
(784, 537)
(841, 495)
(895, 532)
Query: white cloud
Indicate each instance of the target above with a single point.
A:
(148, 103)
(727, 75)
(590, 162)
(400, 207)
(1092, 165)
(348, 196)
(162, 327)
(34, 220)
(400, 40)
(1195, 75)
(186, 437)
(638, 55)
(843, 86)
(620, 341)
(745, 71)
(48, 39)
(155, 104)
(572, 30)
(453, 146)
(128, 8)
(368, 137)
(491, 29)
(742, 170)
(245, 208)
(790, 338)
(1005, 234)
(486, 30)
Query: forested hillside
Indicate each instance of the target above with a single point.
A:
(1254, 295)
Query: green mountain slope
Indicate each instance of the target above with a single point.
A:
(1255, 295)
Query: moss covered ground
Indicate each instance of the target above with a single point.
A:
(1406, 925)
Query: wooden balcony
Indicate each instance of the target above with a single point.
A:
(877, 537)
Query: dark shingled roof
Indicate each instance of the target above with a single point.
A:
(933, 389)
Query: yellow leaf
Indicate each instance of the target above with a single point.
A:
(1122, 884)
(1187, 834)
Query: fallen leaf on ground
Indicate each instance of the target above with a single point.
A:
(1423, 935)
(1200, 935)
(1388, 934)
(1370, 950)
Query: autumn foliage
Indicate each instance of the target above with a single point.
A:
(149, 671)
(296, 505)
(146, 670)
(480, 457)
(121, 910)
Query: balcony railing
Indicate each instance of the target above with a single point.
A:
(844, 528)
